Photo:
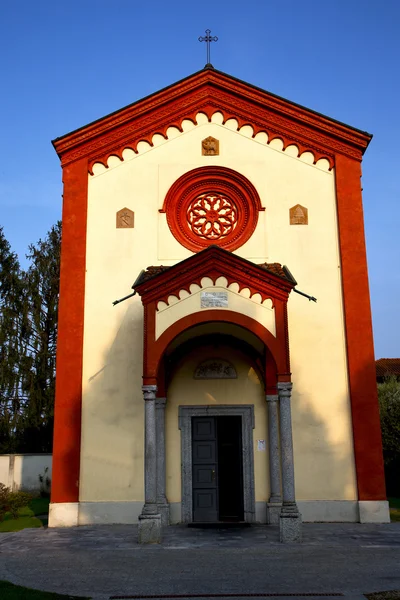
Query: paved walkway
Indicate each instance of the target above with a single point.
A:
(105, 561)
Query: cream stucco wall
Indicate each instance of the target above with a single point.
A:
(112, 413)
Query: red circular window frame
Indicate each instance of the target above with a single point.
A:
(212, 180)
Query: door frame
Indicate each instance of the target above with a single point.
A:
(185, 425)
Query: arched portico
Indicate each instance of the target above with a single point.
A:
(212, 269)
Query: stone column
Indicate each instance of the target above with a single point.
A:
(275, 500)
(162, 502)
(290, 518)
(150, 519)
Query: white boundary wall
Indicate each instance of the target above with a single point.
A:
(21, 471)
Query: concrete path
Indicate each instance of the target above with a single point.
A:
(105, 561)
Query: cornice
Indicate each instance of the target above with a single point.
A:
(210, 91)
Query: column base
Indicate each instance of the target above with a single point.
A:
(273, 512)
(374, 511)
(290, 525)
(163, 510)
(63, 514)
(149, 529)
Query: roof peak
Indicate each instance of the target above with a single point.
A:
(207, 91)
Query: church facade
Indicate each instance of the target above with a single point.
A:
(216, 391)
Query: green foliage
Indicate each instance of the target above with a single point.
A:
(4, 501)
(8, 591)
(12, 502)
(389, 406)
(13, 339)
(39, 506)
(45, 484)
(394, 503)
(18, 500)
(23, 522)
(28, 337)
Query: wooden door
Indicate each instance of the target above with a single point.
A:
(205, 463)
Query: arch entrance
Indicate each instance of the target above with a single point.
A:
(215, 411)
(213, 377)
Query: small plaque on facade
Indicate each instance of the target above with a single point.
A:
(210, 147)
(214, 299)
(125, 218)
(215, 368)
(261, 445)
(298, 215)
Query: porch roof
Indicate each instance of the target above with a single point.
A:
(267, 279)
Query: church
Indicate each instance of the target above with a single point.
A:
(215, 360)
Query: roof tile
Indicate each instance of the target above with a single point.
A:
(385, 367)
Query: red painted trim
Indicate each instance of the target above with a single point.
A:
(209, 91)
(359, 338)
(271, 377)
(67, 416)
(157, 348)
(218, 181)
(282, 333)
(214, 262)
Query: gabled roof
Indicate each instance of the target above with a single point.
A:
(160, 282)
(209, 91)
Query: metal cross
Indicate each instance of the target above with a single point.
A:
(208, 39)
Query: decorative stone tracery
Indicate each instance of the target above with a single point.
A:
(212, 216)
(215, 368)
(212, 205)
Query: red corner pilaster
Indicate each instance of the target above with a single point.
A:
(359, 338)
(68, 403)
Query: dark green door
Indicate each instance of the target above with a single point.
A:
(204, 458)
(217, 469)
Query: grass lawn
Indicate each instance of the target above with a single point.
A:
(27, 516)
(8, 591)
(17, 524)
(40, 506)
(391, 595)
(394, 505)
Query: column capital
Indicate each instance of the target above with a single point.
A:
(271, 398)
(161, 402)
(149, 392)
(285, 389)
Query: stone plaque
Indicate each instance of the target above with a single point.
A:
(298, 215)
(214, 299)
(215, 368)
(125, 218)
(210, 147)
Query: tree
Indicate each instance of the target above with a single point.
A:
(28, 337)
(42, 289)
(389, 406)
(13, 335)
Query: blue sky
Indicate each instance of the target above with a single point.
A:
(64, 64)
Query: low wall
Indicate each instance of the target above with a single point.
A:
(21, 471)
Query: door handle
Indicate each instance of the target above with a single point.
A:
(213, 474)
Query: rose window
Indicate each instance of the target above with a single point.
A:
(212, 216)
(212, 205)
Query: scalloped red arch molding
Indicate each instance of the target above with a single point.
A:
(212, 205)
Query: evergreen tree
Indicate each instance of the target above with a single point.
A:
(28, 337)
(12, 339)
(389, 406)
(42, 288)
